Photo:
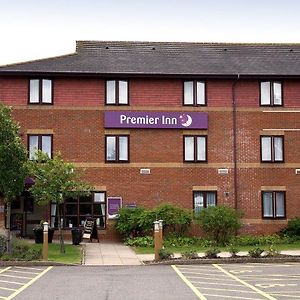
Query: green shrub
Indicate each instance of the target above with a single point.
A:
(165, 254)
(212, 252)
(219, 222)
(256, 252)
(142, 241)
(233, 250)
(272, 251)
(139, 222)
(250, 240)
(190, 254)
(2, 244)
(292, 228)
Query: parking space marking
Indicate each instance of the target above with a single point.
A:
(29, 268)
(281, 295)
(13, 276)
(12, 282)
(24, 272)
(225, 296)
(189, 284)
(3, 270)
(244, 283)
(226, 284)
(26, 285)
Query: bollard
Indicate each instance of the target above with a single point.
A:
(156, 240)
(45, 241)
(160, 225)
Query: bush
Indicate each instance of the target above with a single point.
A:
(293, 228)
(219, 222)
(139, 222)
(256, 252)
(2, 244)
(233, 250)
(143, 241)
(165, 254)
(272, 251)
(212, 252)
(190, 254)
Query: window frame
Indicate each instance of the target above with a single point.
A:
(39, 143)
(41, 102)
(271, 104)
(117, 92)
(194, 81)
(195, 160)
(117, 160)
(204, 198)
(274, 210)
(76, 201)
(272, 149)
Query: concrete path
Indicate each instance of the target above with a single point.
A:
(109, 253)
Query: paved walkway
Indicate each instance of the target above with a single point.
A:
(109, 253)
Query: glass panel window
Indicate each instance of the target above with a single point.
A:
(110, 92)
(117, 148)
(203, 200)
(117, 92)
(123, 92)
(40, 91)
(271, 93)
(47, 91)
(39, 142)
(273, 204)
(194, 93)
(272, 149)
(195, 148)
(75, 211)
(34, 88)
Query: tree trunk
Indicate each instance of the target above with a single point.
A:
(8, 241)
(60, 234)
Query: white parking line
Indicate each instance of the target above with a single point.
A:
(29, 268)
(13, 276)
(205, 282)
(23, 272)
(13, 282)
(223, 296)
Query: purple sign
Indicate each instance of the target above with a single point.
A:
(156, 120)
(113, 206)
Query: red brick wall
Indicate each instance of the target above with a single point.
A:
(79, 135)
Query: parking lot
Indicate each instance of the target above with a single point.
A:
(13, 280)
(242, 281)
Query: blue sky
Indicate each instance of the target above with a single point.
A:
(37, 29)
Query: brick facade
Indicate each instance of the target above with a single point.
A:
(76, 120)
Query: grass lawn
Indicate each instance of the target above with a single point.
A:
(280, 247)
(71, 256)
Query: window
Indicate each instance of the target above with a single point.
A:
(117, 148)
(194, 93)
(75, 210)
(40, 91)
(271, 93)
(273, 204)
(39, 142)
(272, 148)
(117, 92)
(203, 200)
(195, 148)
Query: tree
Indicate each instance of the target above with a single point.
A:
(54, 181)
(13, 159)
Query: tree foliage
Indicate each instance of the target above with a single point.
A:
(219, 222)
(13, 157)
(54, 181)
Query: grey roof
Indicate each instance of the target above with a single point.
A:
(108, 58)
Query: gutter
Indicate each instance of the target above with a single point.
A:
(234, 128)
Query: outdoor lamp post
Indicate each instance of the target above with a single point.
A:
(45, 241)
(157, 243)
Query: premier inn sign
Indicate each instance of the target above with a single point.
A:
(156, 120)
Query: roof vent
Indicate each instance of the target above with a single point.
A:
(153, 48)
(106, 47)
(225, 49)
(291, 50)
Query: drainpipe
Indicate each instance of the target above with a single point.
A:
(234, 127)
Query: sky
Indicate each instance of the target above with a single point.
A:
(34, 29)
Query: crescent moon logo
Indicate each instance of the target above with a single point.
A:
(186, 120)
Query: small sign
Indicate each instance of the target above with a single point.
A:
(88, 229)
(113, 206)
(145, 171)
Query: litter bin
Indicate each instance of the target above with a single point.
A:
(76, 235)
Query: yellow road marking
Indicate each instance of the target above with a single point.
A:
(223, 296)
(13, 276)
(8, 289)
(244, 283)
(189, 284)
(23, 272)
(30, 268)
(2, 297)
(3, 270)
(28, 284)
(13, 282)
